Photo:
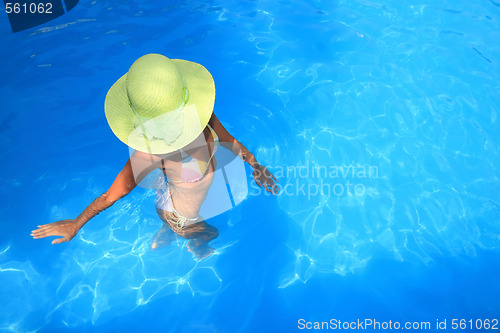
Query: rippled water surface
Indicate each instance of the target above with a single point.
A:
(380, 120)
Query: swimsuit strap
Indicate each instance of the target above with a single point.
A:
(214, 135)
(178, 220)
(216, 144)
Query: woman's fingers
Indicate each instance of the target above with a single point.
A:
(44, 226)
(40, 235)
(45, 233)
(37, 232)
(268, 174)
(40, 231)
(273, 190)
(268, 183)
(269, 187)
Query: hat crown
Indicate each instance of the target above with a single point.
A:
(155, 86)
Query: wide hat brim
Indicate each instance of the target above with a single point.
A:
(199, 108)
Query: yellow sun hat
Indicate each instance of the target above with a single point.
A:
(160, 105)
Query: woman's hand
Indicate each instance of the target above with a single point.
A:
(264, 178)
(66, 228)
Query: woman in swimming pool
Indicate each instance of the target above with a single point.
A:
(163, 108)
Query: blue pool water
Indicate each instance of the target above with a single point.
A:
(380, 119)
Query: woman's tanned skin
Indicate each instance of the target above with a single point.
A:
(187, 197)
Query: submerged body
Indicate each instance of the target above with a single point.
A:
(180, 194)
(188, 176)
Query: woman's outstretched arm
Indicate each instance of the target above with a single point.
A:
(134, 171)
(262, 176)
